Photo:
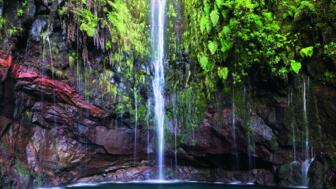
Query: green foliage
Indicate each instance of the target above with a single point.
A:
(20, 12)
(205, 64)
(129, 26)
(295, 66)
(2, 22)
(214, 15)
(20, 169)
(329, 77)
(330, 49)
(243, 35)
(191, 107)
(88, 23)
(307, 52)
(223, 73)
(213, 46)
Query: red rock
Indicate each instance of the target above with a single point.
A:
(37, 82)
(5, 64)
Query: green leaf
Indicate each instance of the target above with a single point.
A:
(226, 45)
(204, 24)
(219, 3)
(223, 73)
(206, 7)
(205, 64)
(213, 46)
(296, 66)
(214, 15)
(89, 22)
(225, 31)
(307, 52)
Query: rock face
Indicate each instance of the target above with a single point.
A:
(50, 135)
(52, 132)
(55, 137)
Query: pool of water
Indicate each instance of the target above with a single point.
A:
(168, 186)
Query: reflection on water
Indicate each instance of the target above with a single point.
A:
(170, 186)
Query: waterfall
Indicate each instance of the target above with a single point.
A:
(135, 125)
(234, 133)
(148, 115)
(306, 164)
(290, 101)
(174, 101)
(157, 49)
(47, 38)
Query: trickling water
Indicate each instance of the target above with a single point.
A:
(249, 131)
(52, 69)
(135, 125)
(157, 47)
(175, 127)
(148, 116)
(306, 163)
(290, 101)
(234, 129)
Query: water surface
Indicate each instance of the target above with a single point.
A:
(173, 186)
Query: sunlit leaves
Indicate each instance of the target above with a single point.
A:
(205, 24)
(219, 3)
(88, 22)
(205, 63)
(223, 73)
(213, 46)
(214, 15)
(295, 66)
(226, 45)
(307, 52)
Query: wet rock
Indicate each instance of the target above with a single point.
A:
(4, 124)
(125, 174)
(260, 128)
(290, 174)
(322, 172)
(5, 64)
(35, 84)
(123, 140)
(256, 176)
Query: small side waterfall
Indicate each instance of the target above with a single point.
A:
(148, 122)
(306, 164)
(234, 132)
(292, 123)
(158, 8)
(135, 125)
(175, 118)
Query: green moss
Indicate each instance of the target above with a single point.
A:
(88, 21)
(20, 12)
(21, 170)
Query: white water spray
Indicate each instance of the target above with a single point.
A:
(157, 44)
(135, 125)
(308, 160)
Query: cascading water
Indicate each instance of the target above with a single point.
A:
(234, 134)
(135, 125)
(306, 164)
(290, 101)
(250, 136)
(148, 117)
(157, 49)
(47, 38)
(174, 101)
